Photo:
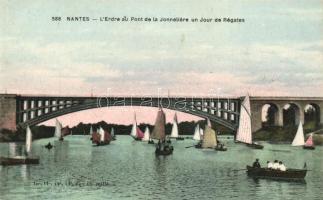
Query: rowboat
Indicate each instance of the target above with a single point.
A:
(289, 174)
(18, 160)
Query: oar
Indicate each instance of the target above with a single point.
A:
(238, 169)
(190, 146)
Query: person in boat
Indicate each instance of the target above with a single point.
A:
(256, 164)
(281, 166)
(49, 146)
(275, 165)
(269, 165)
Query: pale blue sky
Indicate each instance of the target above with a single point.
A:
(277, 51)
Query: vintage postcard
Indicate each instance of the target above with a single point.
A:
(165, 99)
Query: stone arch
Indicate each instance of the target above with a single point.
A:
(312, 114)
(292, 114)
(270, 115)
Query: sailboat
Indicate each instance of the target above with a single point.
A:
(174, 133)
(58, 131)
(146, 137)
(22, 160)
(113, 134)
(309, 144)
(244, 134)
(136, 133)
(197, 133)
(299, 136)
(158, 133)
(101, 137)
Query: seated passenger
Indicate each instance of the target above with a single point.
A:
(269, 165)
(281, 166)
(256, 164)
(275, 165)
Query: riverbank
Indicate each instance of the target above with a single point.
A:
(285, 135)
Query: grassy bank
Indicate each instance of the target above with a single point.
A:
(286, 134)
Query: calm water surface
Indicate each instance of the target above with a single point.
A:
(127, 169)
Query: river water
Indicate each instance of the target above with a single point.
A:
(128, 169)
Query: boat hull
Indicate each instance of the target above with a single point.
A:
(289, 174)
(255, 146)
(179, 138)
(309, 147)
(18, 161)
(164, 152)
(102, 143)
(221, 148)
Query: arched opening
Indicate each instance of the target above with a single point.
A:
(269, 115)
(291, 114)
(311, 116)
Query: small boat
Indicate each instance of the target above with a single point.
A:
(220, 147)
(289, 174)
(244, 134)
(136, 133)
(174, 133)
(162, 148)
(209, 138)
(299, 139)
(255, 145)
(58, 131)
(101, 138)
(22, 160)
(309, 144)
(146, 137)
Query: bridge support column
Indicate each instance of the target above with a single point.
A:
(256, 111)
(280, 118)
(8, 111)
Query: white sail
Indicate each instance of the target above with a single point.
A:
(209, 139)
(58, 129)
(244, 130)
(91, 130)
(197, 134)
(28, 140)
(112, 132)
(299, 137)
(134, 127)
(146, 134)
(174, 133)
(201, 133)
(101, 132)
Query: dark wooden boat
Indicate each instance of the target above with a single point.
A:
(255, 146)
(18, 160)
(219, 148)
(165, 152)
(179, 138)
(289, 174)
(163, 147)
(198, 145)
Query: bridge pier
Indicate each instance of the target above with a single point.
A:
(8, 106)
